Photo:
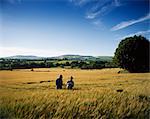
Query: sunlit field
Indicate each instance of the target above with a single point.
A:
(98, 94)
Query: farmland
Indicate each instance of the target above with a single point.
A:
(97, 94)
(63, 61)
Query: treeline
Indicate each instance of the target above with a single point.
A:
(10, 64)
(92, 64)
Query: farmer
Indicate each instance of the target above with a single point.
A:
(59, 82)
(70, 83)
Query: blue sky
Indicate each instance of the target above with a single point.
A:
(58, 27)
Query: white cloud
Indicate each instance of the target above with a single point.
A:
(137, 33)
(92, 15)
(83, 2)
(97, 9)
(117, 3)
(125, 24)
(80, 2)
(97, 23)
(101, 8)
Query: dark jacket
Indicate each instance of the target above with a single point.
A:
(59, 83)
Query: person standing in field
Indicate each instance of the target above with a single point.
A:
(59, 82)
(70, 83)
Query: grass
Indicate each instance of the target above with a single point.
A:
(94, 96)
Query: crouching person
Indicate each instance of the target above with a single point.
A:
(59, 82)
(70, 83)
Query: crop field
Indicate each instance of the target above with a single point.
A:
(98, 94)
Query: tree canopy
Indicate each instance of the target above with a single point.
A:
(132, 54)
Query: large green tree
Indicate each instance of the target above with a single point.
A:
(132, 54)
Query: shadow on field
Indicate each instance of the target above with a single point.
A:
(23, 88)
(39, 82)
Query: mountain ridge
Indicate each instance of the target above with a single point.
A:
(67, 56)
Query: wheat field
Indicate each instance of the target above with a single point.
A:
(98, 94)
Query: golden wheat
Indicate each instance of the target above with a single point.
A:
(27, 94)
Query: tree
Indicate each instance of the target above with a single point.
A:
(132, 54)
(74, 64)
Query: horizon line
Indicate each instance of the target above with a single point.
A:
(55, 56)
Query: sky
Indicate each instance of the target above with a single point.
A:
(82, 27)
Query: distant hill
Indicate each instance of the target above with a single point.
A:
(69, 57)
(75, 57)
(30, 57)
(80, 57)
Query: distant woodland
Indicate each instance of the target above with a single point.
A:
(10, 64)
